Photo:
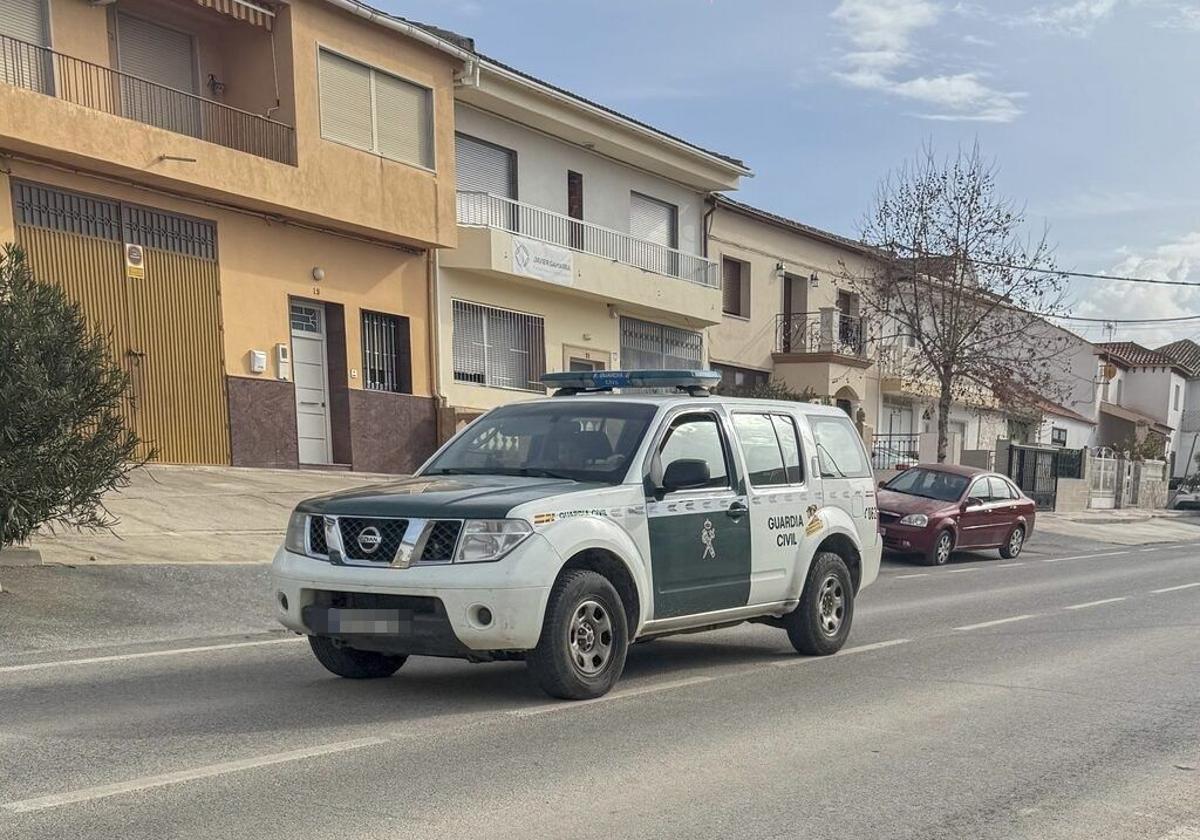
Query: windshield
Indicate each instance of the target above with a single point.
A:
(583, 441)
(932, 484)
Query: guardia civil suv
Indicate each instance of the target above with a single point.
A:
(561, 530)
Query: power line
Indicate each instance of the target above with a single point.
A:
(1177, 319)
(1061, 272)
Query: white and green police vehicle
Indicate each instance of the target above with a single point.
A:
(561, 530)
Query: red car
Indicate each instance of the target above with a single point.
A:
(934, 509)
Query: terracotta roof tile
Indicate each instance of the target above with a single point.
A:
(1185, 353)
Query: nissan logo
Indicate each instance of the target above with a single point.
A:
(369, 539)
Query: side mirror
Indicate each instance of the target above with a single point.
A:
(972, 502)
(685, 474)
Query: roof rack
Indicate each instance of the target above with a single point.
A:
(695, 383)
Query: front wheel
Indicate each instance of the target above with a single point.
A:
(1016, 541)
(584, 640)
(351, 663)
(821, 622)
(942, 547)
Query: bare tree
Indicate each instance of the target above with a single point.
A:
(960, 285)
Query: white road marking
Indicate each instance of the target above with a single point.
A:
(1152, 548)
(616, 695)
(1083, 556)
(93, 660)
(918, 574)
(788, 663)
(1174, 588)
(1007, 565)
(1094, 603)
(56, 800)
(959, 571)
(1008, 620)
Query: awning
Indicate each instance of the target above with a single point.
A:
(1134, 416)
(252, 13)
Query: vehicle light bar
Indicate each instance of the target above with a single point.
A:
(694, 382)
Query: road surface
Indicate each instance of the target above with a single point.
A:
(1057, 696)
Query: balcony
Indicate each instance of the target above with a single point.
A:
(828, 332)
(99, 88)
(487, 210)
(520, 242)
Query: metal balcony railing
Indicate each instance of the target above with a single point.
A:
(488, 210)
(894, 451)
(827, 331)
(101, 88)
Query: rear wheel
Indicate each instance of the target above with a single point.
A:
(584, 640)
(942, 548)
(1016, 541)
(821, 622)
(352, 663)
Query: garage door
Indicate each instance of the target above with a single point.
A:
(164, 327)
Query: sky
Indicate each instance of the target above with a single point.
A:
(1090, 108)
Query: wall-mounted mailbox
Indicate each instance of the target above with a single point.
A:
(258, 361)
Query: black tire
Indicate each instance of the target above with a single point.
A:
(1015, 542)
(351, 663)
(584, 640)
(828, 591)
(943, 546)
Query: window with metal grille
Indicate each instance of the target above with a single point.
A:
(387, 355)
(734, 300)
(498, 347)
(649, 346)
(375, 111)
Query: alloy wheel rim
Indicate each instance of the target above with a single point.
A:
(943, 548)
(1015, 541)
(590, 637)
(832, 605)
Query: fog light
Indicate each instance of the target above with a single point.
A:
(283, 601)
(483, 616)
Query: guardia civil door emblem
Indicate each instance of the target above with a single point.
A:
(707, 535)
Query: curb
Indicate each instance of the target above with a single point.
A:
(20, 556)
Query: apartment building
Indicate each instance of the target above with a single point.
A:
(244, 196)
(580, 243)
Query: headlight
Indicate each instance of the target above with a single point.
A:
(917, 520)
(297, 525)
(484, 540)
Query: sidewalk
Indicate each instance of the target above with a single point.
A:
(173, 514)
(1125, 526)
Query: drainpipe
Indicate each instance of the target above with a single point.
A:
(706, 223)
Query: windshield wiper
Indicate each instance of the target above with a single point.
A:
(540, 472)
(832, 463)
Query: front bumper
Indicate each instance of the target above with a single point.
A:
(436, 609)
(908, 539)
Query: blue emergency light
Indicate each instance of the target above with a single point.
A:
(694, 382)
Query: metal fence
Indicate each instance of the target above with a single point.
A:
(101, 88)
(1036, 470)
(894, 451)
(488, 210)
(828, 331)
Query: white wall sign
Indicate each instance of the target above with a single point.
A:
(533, 258)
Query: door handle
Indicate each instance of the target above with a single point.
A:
(737, 510)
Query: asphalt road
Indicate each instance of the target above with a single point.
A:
(1057, 696)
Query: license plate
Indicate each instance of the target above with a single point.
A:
(385, 622)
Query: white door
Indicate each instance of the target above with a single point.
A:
(310, 371)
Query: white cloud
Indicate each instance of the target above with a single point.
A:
(1095, 203)
(1075, 18)
(1178, 260)
(882, 35)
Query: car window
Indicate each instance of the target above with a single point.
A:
(980, 490)
(789, 442)
(696, 436)
(586, 441)
(760, 447)
(839, 448)
(931, 484)
(1001, 489)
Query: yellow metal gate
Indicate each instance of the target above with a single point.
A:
(164, 327)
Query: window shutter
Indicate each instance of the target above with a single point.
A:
(484, 168)
(652, 220)
(649, 346)
(23, 20)
(346, 102)
(403, 119)
(731, 286)
(156, 53)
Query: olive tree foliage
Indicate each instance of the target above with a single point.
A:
(956, 290)
(64, 441)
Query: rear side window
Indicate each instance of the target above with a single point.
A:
(789, 442)
(839, 448)
(1001, 489)
(770, 446)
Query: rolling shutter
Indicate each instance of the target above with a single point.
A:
(652, 220)
(486, 168)
(346, 114)
(731, 287)
(23, 20)
(403, 120)
(156, 53)
(649, 346)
